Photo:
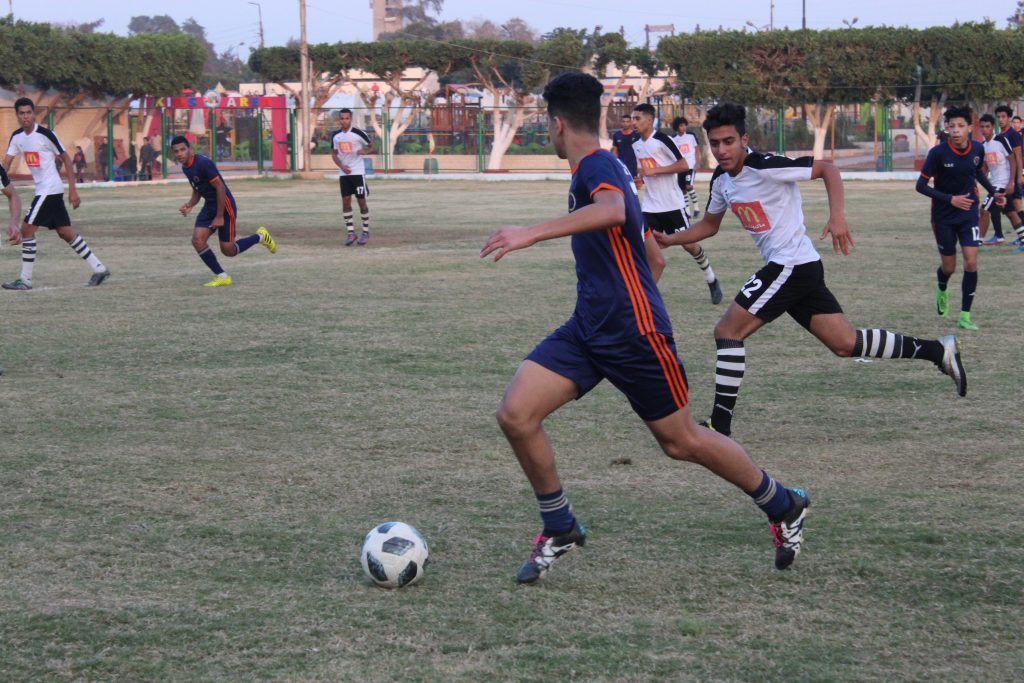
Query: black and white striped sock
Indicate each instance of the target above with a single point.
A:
(691, 198)
(704, 262)
(83, 250)
(349, 224)
(884, 344)
(366, 221)
(28, 259)
(730, 364)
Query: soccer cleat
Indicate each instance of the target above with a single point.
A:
(266, 240)
(788, 532)
(964, 322)
(97, 278)
(716, 291)
(219, 281)
(707, 423)
(547, 549)
(992, 241)
(350, 240)
(951, 364)
(941, 301)
(18, 284)
(1019, 248)
(364, 238)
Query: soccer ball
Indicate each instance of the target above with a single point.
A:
(394, 555)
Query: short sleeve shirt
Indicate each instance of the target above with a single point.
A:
(765, 197)
(661, 192)
(624, 146)
(954, 172)
(40, 147)
(687, 144)
(347, 144)
(997, 158)
(616, 293)
(203, 176)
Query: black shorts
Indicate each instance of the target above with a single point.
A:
(667, 222)
(948, 234)
(48, 211)
(353, 185)
(797, 290)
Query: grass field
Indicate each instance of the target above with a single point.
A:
(187, 474)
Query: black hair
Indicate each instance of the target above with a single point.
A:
(627, 116)
(679, 121)
(964, 113)
(180, 139)
(24, 102)
(646, 109)
(988, 118)
(1017, 118)
(1001, 109)
(345, 111)
(727, 114)
(575, 97)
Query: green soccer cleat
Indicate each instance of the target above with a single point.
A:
(18, 284)
(941, 301)
(266, 240)
(219, 281)
(964, 322)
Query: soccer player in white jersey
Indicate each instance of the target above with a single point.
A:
(761, 190)
(999, 159)
(688, 145)
(348, 147)
(41, 149)
(658, 161)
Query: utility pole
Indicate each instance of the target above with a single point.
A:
(804, 15)
(303, 134)
(259, 8)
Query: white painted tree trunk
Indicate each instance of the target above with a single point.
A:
(820, 116)
(506, 124)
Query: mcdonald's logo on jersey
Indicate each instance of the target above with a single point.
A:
(752, 216)
(32, 159)
(648, 162)
(345, 147)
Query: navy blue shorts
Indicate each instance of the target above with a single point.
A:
(947, 235)
(226, 232)
(645, 369)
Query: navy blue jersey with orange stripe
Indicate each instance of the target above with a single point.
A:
(954, 172)
(616, 293)
(203, 175)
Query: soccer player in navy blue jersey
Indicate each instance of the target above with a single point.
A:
(955, 167)
(619, 331)
(218, 214)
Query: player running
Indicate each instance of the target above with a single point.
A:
(1011, 130)
(348, 147)
(619, 330)
(41, 149)
(218, 215)
(761, 190)
(658, 162)
(688, 146)
(956, 166)
(1000, 162)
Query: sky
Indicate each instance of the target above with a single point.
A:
(234, 24)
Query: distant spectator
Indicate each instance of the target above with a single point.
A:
(79, 163)
(101, 157)
(147, 156)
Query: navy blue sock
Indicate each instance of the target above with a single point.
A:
(210, 259)
(246, 242)
(943, 278)
(772, 497)
(967, 288)
(555, 513)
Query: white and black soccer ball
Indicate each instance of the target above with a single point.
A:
(394, 555)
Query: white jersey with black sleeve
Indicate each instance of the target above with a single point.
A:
(997, 157)
(687, 144)
(40, 148)
(661, 191)
(347, 144)
(766, 199)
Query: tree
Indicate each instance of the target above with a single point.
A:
(153, 24)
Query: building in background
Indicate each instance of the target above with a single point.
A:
(387, 16)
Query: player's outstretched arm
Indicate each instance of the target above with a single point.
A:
(607, 211)
(706, 227)
(842, 240)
